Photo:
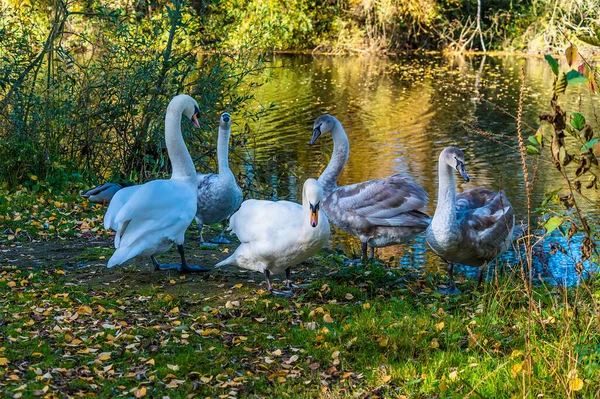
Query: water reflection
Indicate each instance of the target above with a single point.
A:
(399, 113)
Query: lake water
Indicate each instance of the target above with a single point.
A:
(399, 113)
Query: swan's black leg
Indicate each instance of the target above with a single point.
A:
(200, 228)
(288, 278)
(270, 289)
(372, 253)
(185, 268)
(164, 266)
(364, 252)
(480, 275)
(452, 289)
(221, 239)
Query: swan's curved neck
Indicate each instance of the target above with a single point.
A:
(183, 167)
(341, 148)
(445, 211)
(223, 150)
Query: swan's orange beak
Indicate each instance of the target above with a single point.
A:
(314, 218)
(195, 120)
(314, 215)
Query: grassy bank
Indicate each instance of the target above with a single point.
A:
(70, 327)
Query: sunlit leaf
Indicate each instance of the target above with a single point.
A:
(553, 63)
(589, 144)
(532, 150)
(552, 224)
(577, 121)
(533, 140)
(571, 54)
(561, 84)
(574, 77)
(594, 40)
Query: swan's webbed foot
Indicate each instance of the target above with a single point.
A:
(283, 294)
(288, 281)
(202, 242)
(451, 289)
(194, 269)
(270, 290)
(220, 240)
(164, 266)
(185, 268)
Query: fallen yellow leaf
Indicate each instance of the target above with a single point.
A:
(576, 384)
(387, 379)
(327, 318)
(439, 326)
(138, 393)
(174, 310)
(3, 361)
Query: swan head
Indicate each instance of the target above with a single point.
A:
(454, 157)
(188, 106)
(324, 123)
(225, 122)
(312, 192)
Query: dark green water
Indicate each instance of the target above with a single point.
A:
(399, 113)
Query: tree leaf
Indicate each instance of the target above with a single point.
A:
(533, 140)
(539, 137)
(553, 63)
(532, 150)
(552, 224)
(589, 144)
(561, 84)
(577, 121)
(571, 54)
(590, 39)
(574, 77)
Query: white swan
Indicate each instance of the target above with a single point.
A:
(218, 194)
(470, 228)
(379, 212)
(149, 218)
(278, 235)
(103, 193)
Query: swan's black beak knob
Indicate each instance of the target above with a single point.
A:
(461, 169)
(316, 134)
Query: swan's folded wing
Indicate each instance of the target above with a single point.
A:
(154, 197)
(121, 198)
(492, 222)
(167, 225)
(96, 190)
(379, 199)
(473, 198)
(416, 219)
(259, 219)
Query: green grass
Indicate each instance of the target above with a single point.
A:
(353, 334)
(372, 331)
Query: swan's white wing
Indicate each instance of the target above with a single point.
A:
(156, 197)
(387, 198)
(258, 219)
(121, 198)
